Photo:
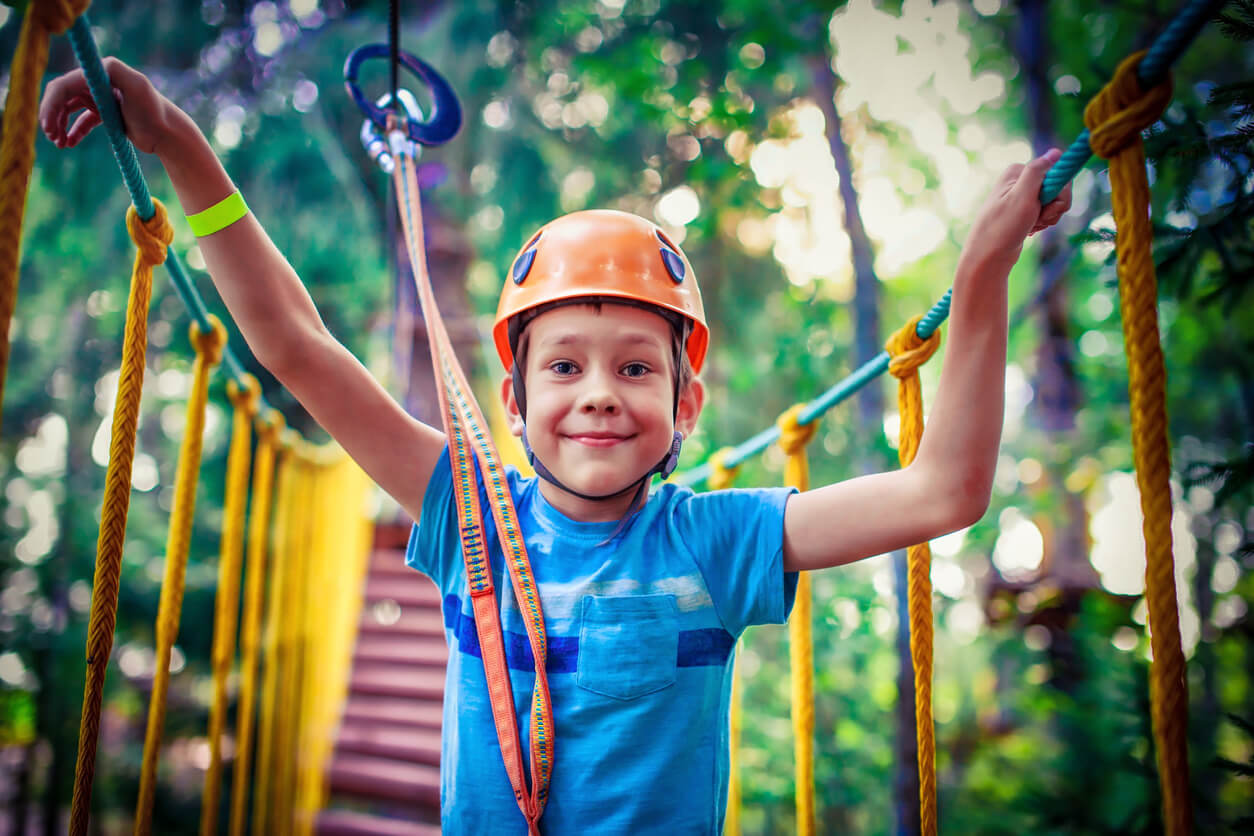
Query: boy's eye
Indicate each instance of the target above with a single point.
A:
(563, 367)
(635, 370)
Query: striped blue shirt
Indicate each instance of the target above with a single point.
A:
(641, 633)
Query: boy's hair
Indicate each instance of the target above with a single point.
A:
(681, 328)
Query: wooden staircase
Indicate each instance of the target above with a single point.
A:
(384, 778)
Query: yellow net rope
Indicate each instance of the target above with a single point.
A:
(245, 401)
(1115, 118)
(208, 347)
(151, 238)
(44, 19)
(269, 427)
(793, 439)
(908, 352)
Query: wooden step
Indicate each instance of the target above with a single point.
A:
(391, 681)
(384, 779)
(402, 650)
(349, 823)
(415, 591)
(412, 621)
(400, 713)
(415, 745)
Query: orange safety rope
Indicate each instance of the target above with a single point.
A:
(464, 425)
(208, 347)
(270, 426)
(245, 401)
(44, 18)
(793, 438)
(1115, 118)
(151, 238)
(908, 352)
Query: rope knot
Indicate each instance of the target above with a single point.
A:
(209, 344)
(152, 237)
(1116, 116)
(793, 437)
(721, 476)
(908, 350)
(247, 397)
(270, 425)
(56, 16)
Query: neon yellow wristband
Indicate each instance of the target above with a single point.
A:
(219, 216)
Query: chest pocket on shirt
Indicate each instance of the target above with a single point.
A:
(628, 645)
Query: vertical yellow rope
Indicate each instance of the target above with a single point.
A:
(1115, 118)
(44, 18)
(793, 439)
(269, 427)
(208, 354)
(151, 238)
(722, 477)
(226, 609)
(264, 820)
(908, 353)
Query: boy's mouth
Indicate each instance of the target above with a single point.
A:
(597, 439)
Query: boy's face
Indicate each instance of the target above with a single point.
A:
(599, 389)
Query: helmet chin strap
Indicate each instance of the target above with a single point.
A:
(665, 467)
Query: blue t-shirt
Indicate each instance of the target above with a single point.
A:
(641, 632)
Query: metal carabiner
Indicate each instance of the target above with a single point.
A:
(376, 146)
(446, 111)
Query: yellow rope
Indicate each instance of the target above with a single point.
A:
(269, 428)
(793, 439)
(908, 353)
(245, 402)
(44, 18)
(268, 751)
(721, 477)
(1115, 118)
(208, 354)
(151, 239)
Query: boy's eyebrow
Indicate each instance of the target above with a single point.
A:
(575, 339)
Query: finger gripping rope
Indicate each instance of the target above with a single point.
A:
(1115, 118)
(116, 503)
(908, 352)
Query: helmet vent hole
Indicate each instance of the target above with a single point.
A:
(670, 257)
(522, 265)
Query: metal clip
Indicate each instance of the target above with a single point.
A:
(384, 152)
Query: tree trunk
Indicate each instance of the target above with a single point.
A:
(869, 433)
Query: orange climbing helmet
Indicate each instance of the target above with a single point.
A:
(602, 253)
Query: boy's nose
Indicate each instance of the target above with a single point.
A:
(599, 398)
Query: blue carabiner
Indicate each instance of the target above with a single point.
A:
(446, 112)
(372, 140)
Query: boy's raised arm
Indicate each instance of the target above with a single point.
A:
(950, 481)
(261, 290)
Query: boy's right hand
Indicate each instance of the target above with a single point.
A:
(145, 112)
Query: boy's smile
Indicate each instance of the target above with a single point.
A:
(600, 389)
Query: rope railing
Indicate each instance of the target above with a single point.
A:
(1165, 50)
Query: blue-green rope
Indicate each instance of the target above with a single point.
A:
(1167, 47)
(124, 152)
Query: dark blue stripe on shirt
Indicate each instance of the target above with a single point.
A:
(696, 647)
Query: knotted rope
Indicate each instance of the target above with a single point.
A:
(721, 476)
(909, 351)
(1115, 118)
(208, 345)
(793, 438)
(269, 428)
(17, 144)
(245, 402)
(151, 238)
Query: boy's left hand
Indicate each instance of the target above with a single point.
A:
(1013, 210)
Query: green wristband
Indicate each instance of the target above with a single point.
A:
(219, 216)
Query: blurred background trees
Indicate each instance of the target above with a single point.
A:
(718, 121)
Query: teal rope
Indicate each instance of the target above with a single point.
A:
(124, 152)
(1167, 47)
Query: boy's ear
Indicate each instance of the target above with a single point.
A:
(512, 415)
(691, 399)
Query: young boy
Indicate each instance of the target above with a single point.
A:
(601, 332)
